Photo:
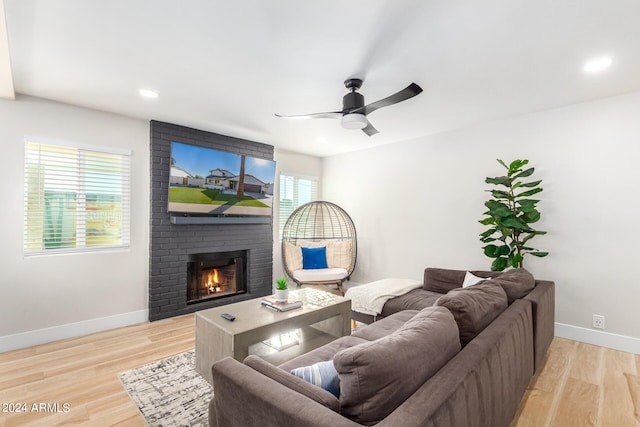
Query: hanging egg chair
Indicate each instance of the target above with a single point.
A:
(319, 245)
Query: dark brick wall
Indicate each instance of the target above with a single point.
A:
(170, 244)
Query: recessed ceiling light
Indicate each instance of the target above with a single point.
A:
(597, 64)
(148, 93)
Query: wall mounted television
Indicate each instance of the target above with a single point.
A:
(208, 182)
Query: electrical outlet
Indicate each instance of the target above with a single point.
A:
(598, 321)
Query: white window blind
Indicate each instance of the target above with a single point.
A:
(75, 198)
(295, 191)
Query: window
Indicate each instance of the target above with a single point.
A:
(75, 198)
(295, 191)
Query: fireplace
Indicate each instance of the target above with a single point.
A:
(216, 275)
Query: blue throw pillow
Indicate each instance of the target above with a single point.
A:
(313, 258)
(322, 374)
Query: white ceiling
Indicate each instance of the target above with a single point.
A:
(228, 66)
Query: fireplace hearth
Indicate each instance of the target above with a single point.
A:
(216, 275)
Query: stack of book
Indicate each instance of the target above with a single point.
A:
(287, 305)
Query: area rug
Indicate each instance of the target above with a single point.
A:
(170, 392)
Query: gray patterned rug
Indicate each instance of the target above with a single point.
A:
(169, 392)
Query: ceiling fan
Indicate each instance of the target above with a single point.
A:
(354, 112)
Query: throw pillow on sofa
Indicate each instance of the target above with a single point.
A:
(295, 383)
(474, 307)
(321, 374)
(376, 377)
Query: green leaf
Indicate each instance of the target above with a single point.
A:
(499, 264)
(487, 221)
(488, 239)
(525, 173)
(527, 205)
(503, 250)
(517, 259)
(516, 223)
(539, 254)
(499, 180)
(531, 184)
(498, 209)
(529, 193)
(531, 216)
(490, 251)
(516, 165)
(501, 195)
(503, 164)
(488, 233)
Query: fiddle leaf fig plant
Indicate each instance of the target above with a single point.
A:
(511, 211)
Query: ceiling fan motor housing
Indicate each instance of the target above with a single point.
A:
(352, 101)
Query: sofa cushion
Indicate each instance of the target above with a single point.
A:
(321, 374)
(283, 377)
(442, 280)
(517, 283)
(377, 376)
(385, 326)
(325, 352)
(474, 307)
(416, 299)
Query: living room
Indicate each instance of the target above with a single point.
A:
(415, 198)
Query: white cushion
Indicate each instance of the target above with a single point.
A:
(339, 253)
(320, 274)
(292, 256)
(311, 243)
(471, 279)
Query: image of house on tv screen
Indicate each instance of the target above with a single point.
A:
(205, 181)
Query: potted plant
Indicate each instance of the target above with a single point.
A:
(282, 289)
(510, 214)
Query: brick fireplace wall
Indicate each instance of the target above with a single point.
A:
(171, 244)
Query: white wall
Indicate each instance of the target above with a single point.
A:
(417, 204)
(51, 297)
(288, 162)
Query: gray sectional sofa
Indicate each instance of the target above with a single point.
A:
(464, 358)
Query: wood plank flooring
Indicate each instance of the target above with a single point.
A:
(579, 384)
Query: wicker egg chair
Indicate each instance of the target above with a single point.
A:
(318, 224)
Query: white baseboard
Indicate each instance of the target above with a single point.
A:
(603, 339)
(71, 330)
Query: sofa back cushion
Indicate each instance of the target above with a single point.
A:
(442, 280)
(474, 307)
(516, 283)
(285, 378)
(376, 377)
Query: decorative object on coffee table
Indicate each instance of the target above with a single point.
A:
(510, 213)
(327, 235)
(282, 289)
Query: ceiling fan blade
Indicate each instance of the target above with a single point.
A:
(328, 115)
(369, 129)
(406, 93)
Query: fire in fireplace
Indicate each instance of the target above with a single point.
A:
(216, 275)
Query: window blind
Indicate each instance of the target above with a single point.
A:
(75, 198)
(295, 191)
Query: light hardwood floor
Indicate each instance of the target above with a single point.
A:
(579, 384)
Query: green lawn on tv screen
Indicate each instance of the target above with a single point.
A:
(204, 196)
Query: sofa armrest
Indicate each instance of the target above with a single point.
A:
(542, 299)
(244, 397)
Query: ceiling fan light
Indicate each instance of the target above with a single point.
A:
(354, 121)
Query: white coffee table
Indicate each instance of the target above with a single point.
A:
(322, 318)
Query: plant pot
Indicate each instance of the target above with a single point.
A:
(282, 294)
